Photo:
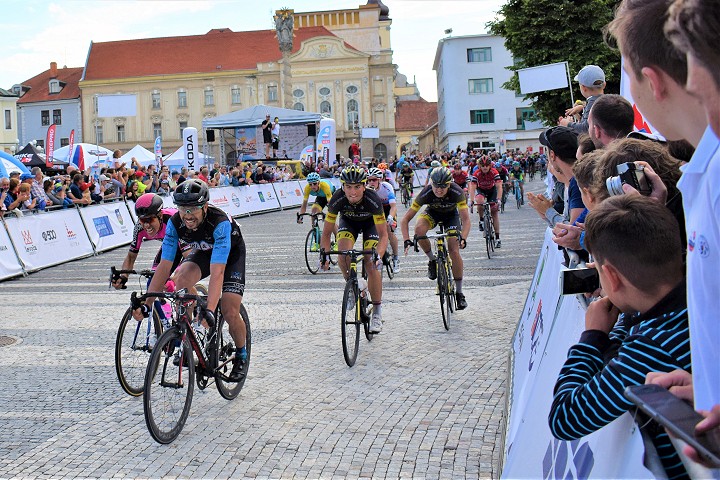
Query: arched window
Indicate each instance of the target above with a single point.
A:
(325, 107)
(352, 114)
(380, 151)
(299, 106)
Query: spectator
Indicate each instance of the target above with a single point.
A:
(9, 187)
(57, 194)
(107, 189)
(611, 117)
(324, 171)
(634, 242)
(139, 179)
(133, 190)
(215, 169)
(75, 192)
(174, 180)
(204, 175)
(275, 136)
(183, 175)
(259, 175)
(117, 164)
(27, 202)
(592, 84)
(267, 126)
(164, 188)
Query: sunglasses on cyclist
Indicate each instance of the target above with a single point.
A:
(189, 210)
(146, 219)
(313, 183)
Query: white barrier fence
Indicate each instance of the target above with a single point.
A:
(549, 325)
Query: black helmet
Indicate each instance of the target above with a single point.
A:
(353, 174)
(148, 205)
(192, 192)
(441, 177)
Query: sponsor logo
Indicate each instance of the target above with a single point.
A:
(70, 234)
(691, 242)
(521, 337)
(3, 248)
(27, 237)
(536, 331)
(568, 460)
(703, 246)
(262, 198)
(103, 226)
(235, 200)
(298, 192)
(49, 236)
(98, 153)
(190, 151)
(119, 216)
(202, 245)
(220, 201)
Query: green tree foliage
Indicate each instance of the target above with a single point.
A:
(538, 32)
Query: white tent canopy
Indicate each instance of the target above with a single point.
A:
(254, 116)
(89, 154)
(141, 154)
(177, 159)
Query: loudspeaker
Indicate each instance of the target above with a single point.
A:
(311, 130)
(210, 135)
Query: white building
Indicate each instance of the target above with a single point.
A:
(474, 111)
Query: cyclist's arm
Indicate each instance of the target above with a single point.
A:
(328, 228)
(218, 261)
(466, 223)
(471, 190)
(405, 223)
(499, 189)
(164, 269)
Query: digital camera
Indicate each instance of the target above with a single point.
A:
(631, 174)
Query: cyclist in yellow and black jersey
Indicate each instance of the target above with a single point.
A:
(445, 202)
(321, 189)
(357, 209)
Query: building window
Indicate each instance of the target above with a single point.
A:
(324, 91)
(525, 115)
(183, 126)
(99, 137)
(351, 89)
(45, 118)
(8, 119)
(64, 142)
(209, 97)
(57, 117)
(235, 95)
(325, 107)
(380, 151)
(182, 99)
(54, 86)
(475, 55)
(155, 100)
(120, 133)
(272, 93)
(480, 85)
(482, 116)
(299, 106)
(298, 93)
(352, 114)
(157, 130)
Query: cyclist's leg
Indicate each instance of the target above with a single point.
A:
(479, 201)
(370, 240)
(453, 226)
(195, 267)
(346, 236)
(424, 223)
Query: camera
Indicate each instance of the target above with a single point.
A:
(631, 174)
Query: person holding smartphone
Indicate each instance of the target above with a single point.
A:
(635, 243)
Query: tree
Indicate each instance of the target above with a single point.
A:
(538, 32)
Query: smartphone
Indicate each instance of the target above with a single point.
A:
(574, 281)
(677, 416)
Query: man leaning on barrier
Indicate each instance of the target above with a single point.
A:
(636, 247)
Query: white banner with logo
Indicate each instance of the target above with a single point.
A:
(46, 239)
(109, 225)
(260, 198)
(190, 148)
(9, 263)
(420, 177)
(289, 194)
(229, 199)
(549, 325)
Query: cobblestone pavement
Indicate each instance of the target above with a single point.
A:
(420, 402)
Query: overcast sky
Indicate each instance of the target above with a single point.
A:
(35, 32)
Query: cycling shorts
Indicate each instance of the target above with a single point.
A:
(351, 230)
(490, 197)
(234, 278)
(321, 201)
(450, 219)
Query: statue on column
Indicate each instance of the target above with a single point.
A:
(284, 23)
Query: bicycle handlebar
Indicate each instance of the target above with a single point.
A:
(180, 295)
(417, 238)
(352, 253)
(115, 275)
(319, 214)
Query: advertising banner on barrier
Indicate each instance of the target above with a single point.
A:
(289, 194)
(260, 198)
(47, 239)
(9, 262)
(420, 177)
(229, 199)
(335, 181)
(109, 225)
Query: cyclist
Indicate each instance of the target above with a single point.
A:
(387, 174)
(386, 192)
(405, 176)
(460, 176)
(360, 210)
(433, 165)
(446, 203)
(486, 186)
(517, 174)
(322, 189)
(218, 252)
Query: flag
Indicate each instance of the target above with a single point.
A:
(190, 145)
(50, 146)
(71, 145)
(158, 151)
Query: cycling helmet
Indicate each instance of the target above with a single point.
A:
(383, 166)
(441, 177)
(192, 192)
(375, 173)
(516, 164)
(148, 205)
(313, 177)
(353, 174)
(434, 164)
(485, 162)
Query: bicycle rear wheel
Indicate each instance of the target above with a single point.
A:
(225, 353)
(312, 247)
(366, 314)
(387, 261)
(133, 345)
(489, 236)
(168, 387)
(442, 280)
(406, 197)
(350, 322)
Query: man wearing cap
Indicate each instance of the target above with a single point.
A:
(107, 190)
(562, 147)
(592, 84)
(267, 134)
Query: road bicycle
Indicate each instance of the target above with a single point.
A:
(135, 339)
(185, 354)
(406, 194)
(312, 241)
(356, 306)
(445, 281)
(503, 200)
(518, 192)
(488, 228)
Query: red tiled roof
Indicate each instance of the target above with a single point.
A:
(415, 115)
(217, 50)
(39, 86)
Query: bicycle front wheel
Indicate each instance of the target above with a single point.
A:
(312, 247)
(350, 322)
(442, 280)
(489, 236)
(133, 344)
(168, 387)
(225, 353)
(518, 197)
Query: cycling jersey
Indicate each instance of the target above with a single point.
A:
(363, 216)
(454, 199)
(326, 190)
(140, 235)
(502, 171)
(406, 176)
(516, 174)
(460, 177)
(386, 192)
(487, 180)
